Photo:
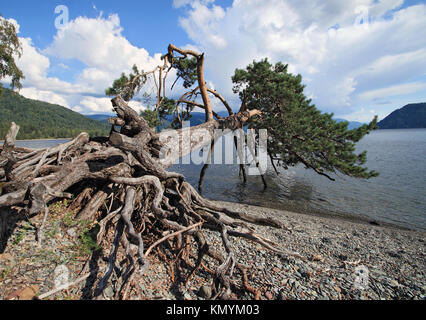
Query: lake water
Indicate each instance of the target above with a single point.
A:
(397, 196)
(39, 144)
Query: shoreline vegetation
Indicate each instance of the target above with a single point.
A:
(331, 251)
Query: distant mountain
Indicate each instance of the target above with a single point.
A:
(40, 120)
(351, 125)
(102, 117)
(200, 117)
(412, 115)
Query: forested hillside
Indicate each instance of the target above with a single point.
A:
(410, 116)
(39, 120)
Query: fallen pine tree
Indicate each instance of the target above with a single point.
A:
(147, 205)
(121, 182)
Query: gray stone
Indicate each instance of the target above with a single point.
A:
(109, 292)
(394, 283)
(205, 292)
(71, 232)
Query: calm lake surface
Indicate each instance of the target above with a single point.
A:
(397, 196)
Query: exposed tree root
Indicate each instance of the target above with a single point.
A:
(142, 196)
(119, 183)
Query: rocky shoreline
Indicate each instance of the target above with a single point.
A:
(334, 250)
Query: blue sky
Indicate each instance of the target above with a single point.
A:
(358, 58)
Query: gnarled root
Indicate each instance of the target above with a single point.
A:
(118, 184)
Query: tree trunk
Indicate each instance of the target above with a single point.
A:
(130, 168)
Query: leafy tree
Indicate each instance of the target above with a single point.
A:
(298, 132)
(9, 48)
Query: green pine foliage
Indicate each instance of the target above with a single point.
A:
(298, 132)
(186, 69)
(159, 119)
(42, 120)
(127, 86)
(10, 47)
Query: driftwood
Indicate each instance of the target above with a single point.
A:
(127, 186)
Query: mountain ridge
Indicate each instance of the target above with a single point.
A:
(410, 116)
(42, 120)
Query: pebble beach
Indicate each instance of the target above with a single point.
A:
(333, 251)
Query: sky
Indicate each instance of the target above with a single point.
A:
(357, 58)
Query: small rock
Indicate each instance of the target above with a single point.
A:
(394, 254)
(205, 292)
(234, 296)
(109, 292)
(317, 257)
(303, 273)
(276, 269)
(394, 283)
(28, 293)
(378, 272)
(342, 257)
(326, 240)
(5, 256)
(71, 232)
(281, 296)
(187, 296)
(269, 295)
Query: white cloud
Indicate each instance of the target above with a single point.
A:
(64, 66)
(32, 62)
(396, 90)
(98, 43)
(341, 48)
(96, 105)
(345, 65)
(105, 52)
(203, 21)
(48, 96)
(182, 3)
(136, 105)
(35, 66)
